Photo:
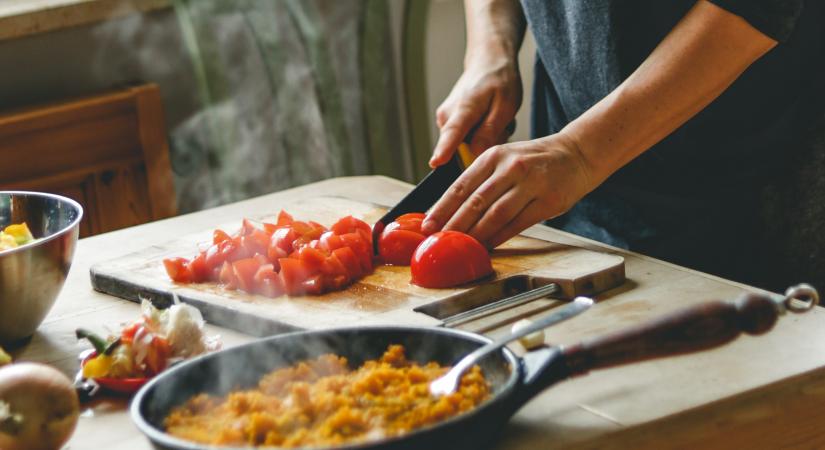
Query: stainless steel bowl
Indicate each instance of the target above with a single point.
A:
(31, 275)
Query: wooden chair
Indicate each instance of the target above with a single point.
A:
(108, 152)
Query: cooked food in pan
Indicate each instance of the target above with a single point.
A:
(322, 402)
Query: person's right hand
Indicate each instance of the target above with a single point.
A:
(487, 95)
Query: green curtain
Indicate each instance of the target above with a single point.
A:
(292, 91)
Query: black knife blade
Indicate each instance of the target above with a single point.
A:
(423, 196)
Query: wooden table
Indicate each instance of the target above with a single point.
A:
(764, 392)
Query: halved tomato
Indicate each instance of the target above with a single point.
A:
(449, 258)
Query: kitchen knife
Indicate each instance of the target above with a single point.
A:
(427, 192)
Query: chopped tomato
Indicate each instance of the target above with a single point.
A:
(200, 271)
(268, 282)
(362, 249)
(178, 270)
(256, 241)
(349, 260)
(312, 258)
(219, 236)
(245, 270)
(293, 273)
(247, 227)
(284, 218)
(227, 276)
(330, 241)
(449, 258)
(313, 285)
(289, 256)
(350, 224)
(283, 238)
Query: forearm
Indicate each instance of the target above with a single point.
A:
(692, 66)
(493, 26)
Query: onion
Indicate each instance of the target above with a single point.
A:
(38, 407)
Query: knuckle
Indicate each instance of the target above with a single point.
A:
(518, 165)
(475, 203)
(458, 189)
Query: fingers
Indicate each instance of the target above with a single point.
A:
(455, 128)
(477, 203)
(501, 213)
(491, 130)
(466, 184)
(530, 215)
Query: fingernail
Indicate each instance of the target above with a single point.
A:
(428, 226)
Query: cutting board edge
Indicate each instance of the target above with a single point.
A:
(212, 313)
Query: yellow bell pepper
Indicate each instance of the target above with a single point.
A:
(4, 357)
(97, 367)
(20, 232)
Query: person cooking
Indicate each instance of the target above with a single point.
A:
(654, 123)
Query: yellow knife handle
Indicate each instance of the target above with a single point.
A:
(467, 156)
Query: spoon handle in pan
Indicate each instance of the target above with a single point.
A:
(692, 329)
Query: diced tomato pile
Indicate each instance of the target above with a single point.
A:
(289, 256)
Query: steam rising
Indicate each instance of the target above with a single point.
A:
(260, 96)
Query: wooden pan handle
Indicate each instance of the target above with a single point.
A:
(692, 329)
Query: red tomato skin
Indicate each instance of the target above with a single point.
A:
(350, 224)
(284, 218)
(293, 273)
(219, 236)
(362, 250)
(312, 258)
(449, 258)
(313, 285)
(178, 270)
(227, 276)
(397, 244)
(245, 270)
(350, 261)
(330, 241)
(283, 239)
(200, 271)
(268, 282)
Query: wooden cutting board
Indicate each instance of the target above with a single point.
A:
(383, 297)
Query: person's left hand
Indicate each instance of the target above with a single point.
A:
(511, 187)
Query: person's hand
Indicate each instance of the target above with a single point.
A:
(487, 94)
(513, 186)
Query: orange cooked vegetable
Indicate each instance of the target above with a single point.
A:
(321, 402)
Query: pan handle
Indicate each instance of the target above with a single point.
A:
(688, 330)
(692, 329)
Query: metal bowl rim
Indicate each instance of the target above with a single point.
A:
(156, 435)
(53, 236)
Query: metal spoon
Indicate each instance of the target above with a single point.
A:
(448, 383)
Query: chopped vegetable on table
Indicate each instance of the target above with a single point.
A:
(148, 345)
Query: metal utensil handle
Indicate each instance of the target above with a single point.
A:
(509, 302)
(579, 305)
